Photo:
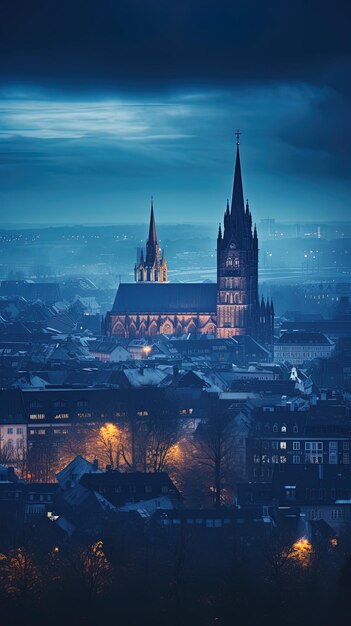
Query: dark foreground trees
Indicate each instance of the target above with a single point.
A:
(145, 574)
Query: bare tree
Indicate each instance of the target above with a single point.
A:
(212, 449)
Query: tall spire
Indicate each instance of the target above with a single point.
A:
(238, 207)
(152, 228)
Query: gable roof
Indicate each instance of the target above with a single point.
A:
(165, 298)
(77, 468)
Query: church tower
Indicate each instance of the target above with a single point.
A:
(151, 268)
(238, 309)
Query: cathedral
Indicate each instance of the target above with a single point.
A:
(227, 308)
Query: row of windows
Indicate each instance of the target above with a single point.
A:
(10, 444)
(59, 404)
(141, 413)
(42, 497)
(310, 446)
(276, 427)
(133, 489)
(335, 514)
(208, 523)
(313, 458)
(19, 431)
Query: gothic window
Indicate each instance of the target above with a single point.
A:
(118, 330)
(210, 329)
(132, 331)
(229, 262)
(191, 328)
(167, 328)
(153, 329)
(236, 262)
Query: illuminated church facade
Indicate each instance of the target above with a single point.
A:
(227, 308)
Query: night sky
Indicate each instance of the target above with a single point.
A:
(105, 103)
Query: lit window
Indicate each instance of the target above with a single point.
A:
(283, 429)
(283, 445)
(37, 416)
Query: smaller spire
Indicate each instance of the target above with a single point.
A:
(247, 207)
(141, 262)
(237, 135)
(152, 227)
(219, 231)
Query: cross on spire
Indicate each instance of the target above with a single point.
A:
(237, 135)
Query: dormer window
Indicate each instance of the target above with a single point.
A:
(275, 428)
(283, 428)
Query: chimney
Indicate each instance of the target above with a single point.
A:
(108, 468)
(96, 464)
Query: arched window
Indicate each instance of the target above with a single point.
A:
(167, 328)
(283, 428)
(153, 329)
(118, 330)
(275, 428)
(295, 428)
(132, 331)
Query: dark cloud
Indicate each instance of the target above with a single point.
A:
(139, 43)
(106, 102)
